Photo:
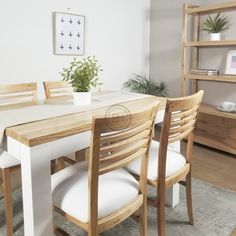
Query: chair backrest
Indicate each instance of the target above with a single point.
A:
(57, 90)
(18, 94)
(117, 141)
(179, 123)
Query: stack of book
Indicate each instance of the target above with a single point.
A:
(204, 71)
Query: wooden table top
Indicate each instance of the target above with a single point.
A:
(43, 131)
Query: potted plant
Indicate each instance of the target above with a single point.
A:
(216, 25)
(82, 75)
(141, 84)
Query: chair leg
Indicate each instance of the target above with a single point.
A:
(161, 210)
(143, 218)
(7, 193)
(189, 197)
(60, 163)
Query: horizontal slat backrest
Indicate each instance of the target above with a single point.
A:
(179, 122)
(181, 115)
(117, 139)
(12, 94)
(121, 139)
(57, 90)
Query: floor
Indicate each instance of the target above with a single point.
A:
(214, 166)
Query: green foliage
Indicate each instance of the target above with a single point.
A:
(82, 74)
(216, 24)
(141, 84)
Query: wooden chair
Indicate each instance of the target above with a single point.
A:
(12, 96)
(61, 91)
(57, 90)
(101, 194)
(167, 166)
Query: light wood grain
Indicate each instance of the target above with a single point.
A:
(57, 90)
(220, 78)
(13, 95)
(214, 8)
(217, 131)
(6, 184)
(184, 50)
(101, 148)
(211, 43)
(44, 131)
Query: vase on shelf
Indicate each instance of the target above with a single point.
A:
(215, 36)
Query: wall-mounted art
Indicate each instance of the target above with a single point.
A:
(68, 34)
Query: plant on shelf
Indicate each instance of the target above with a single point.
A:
(141, 84)
(216, 25)
(82, 75)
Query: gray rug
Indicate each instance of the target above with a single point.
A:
(214, 214)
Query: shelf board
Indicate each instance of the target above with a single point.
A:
(221, 43)
(212, 8)
(211, 110)
(220, 78)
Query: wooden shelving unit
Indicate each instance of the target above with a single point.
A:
(214, 128)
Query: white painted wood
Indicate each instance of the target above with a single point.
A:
(36, 185)
(172, 195)
(160, 116)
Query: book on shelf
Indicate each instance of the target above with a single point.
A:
(204, 71)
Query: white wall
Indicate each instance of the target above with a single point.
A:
(165, 50)
(117, 33)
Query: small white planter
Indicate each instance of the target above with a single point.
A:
(82, 98)
(215, 36)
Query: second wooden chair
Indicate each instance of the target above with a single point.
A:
(167, 166)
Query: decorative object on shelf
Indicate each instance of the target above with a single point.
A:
(68, 34)
(216, 25)
(227, 107)
(82, 75)
(142, 84)
(231, 63)
(204, 71)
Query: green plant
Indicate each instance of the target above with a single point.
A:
(141, 84)
(216, 24)
(82, 74)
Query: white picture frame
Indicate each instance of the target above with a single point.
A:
(68, 34)
(230, 68)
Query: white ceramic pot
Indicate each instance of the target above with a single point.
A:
(82, 98)
(215, 36)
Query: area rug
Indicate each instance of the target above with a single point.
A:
(214, 215)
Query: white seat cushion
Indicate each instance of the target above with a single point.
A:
(70, 191)
(174, 162)
(7, 160)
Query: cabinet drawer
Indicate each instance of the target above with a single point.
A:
(217, 132)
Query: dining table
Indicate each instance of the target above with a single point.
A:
(39, 133)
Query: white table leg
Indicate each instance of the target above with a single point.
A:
(36, 185)
(172, 193)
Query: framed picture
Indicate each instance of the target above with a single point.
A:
(231, 63)
(68, 34)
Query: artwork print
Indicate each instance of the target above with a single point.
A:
(231, 63)
(68, 34)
